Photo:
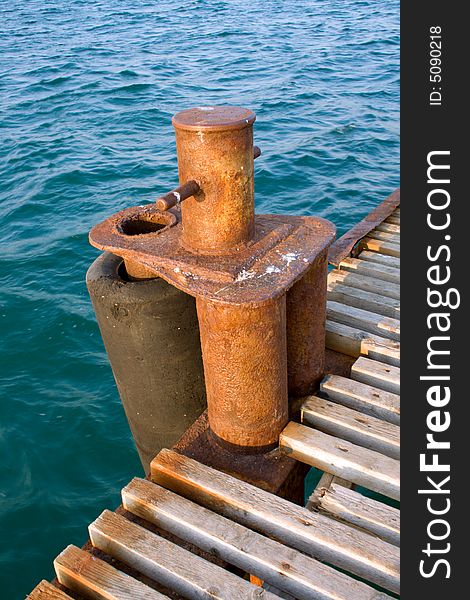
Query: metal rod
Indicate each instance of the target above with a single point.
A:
(190, 188)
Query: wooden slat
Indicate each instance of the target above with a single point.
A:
(373, 372)
(388, 227)
(46, 591)
(368, 514)
(313, 534)
(323, 484)
(362, 397)
(351, 425)
(383, 259)
(376, 245)
(354, 342)
(288, 570)
(394, 220)
(363, 319)
(165, 562)
(382, 305)
(393, 238)
(368, 284)
(93, 578)
(363, 267)
(339, 457)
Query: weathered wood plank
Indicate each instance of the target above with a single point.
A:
(368, 284)
(354, 342)
(324, 483)
(271, 561)
(393, 238)
(93, 578)
(339, 457)
(313, 534)
(363, 267)
(351, 425)
(382, 305)
(383, 259)
(165, 562)
(365, 320)
(373, 372)
(376, 245)
(362, 397)
(393, 220)
(388, 227)
(368, 514)
(46, 591)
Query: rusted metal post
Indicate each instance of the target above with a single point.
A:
(243, 347)
(306, 316)
(243, 269)
(215, 149)
(245, 368)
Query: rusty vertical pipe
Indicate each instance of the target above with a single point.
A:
(306, 316)
(244, 355)
(215, 149)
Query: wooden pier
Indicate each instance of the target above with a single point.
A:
(193, 531)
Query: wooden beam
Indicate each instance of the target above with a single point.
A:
(313, 534)
(165, 562)
(364, 467)
(368, 284)
(369, 243)
(323, 484)
(382, 305)
(365, 320)
(393, 238)
(91, 577)
(270, 561)
(354, 342)
(368, 514)
(383, 259)
(46, 591)
(388, 227)
(351, 425)
(363, 267)
(378, 374)
(362, 397)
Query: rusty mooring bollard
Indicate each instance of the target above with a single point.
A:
(259, 280)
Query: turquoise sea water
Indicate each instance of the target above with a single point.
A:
(87, 91)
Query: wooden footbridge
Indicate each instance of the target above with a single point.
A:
(193, 531)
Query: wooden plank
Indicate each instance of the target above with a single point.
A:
(383, 259)
(393, 220)
(368, 514)
(351, 425)
(382, 305)
(323, 484)
(362, 397)
(363, 267)
(313, 534)
(368, 284)
(94, 578)
(362, 466)
(369, 243)
(46, 591)
(363, 319)
(393, 238)
(388, 227)
(270, 561)
(373, 372)
(354, 342)
(165, 562)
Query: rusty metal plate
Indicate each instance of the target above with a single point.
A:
(281, 251)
